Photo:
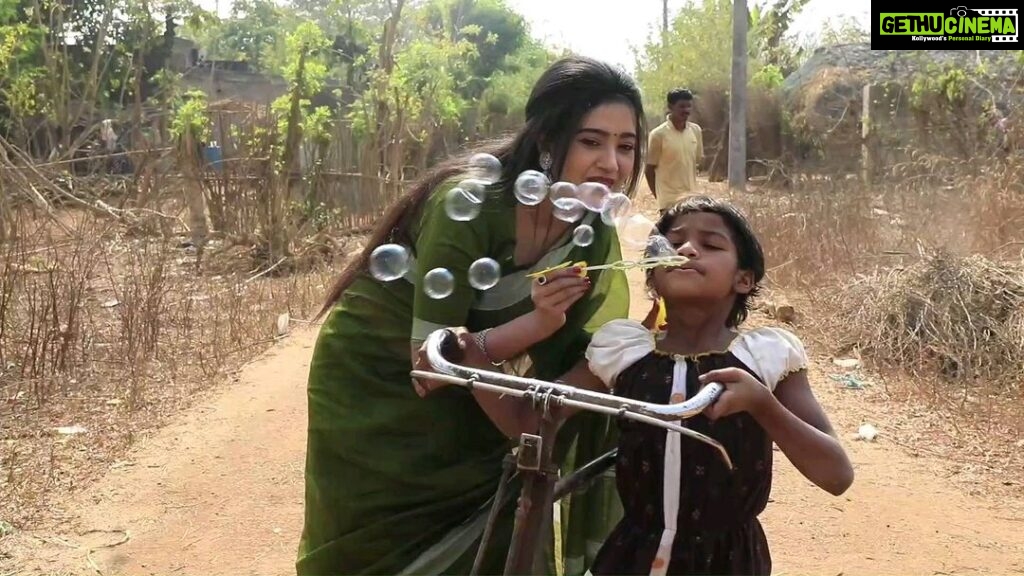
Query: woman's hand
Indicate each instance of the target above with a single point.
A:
(554, 293)
(743, 393)
(471, 355)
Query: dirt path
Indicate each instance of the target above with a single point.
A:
(220, 492)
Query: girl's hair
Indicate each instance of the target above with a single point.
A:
(562, 96)
(749, 254)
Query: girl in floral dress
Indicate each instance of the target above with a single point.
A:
(685, 511)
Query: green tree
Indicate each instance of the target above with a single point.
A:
(769, 26)
(502, 102)
(252, 33)
(494, 30)
(693, 52)
(21, 70)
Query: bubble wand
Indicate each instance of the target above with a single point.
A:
(643, 264)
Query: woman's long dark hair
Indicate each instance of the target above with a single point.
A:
(562, 96)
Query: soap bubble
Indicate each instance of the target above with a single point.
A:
(593, 195)
(583, 235)
(389, 262)
(563, 190)
(485, 167)
(484, 274)
(635, 231)
(475, 187)
(615, 209)
(531, 187)
(658, 247)
(439, 283)
(569, 209)
(462, 205)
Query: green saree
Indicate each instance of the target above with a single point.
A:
(399, 484)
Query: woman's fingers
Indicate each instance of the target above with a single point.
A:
(566, 298)
(557, 284)
(562, 294)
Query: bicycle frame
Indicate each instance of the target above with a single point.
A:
(533, 460)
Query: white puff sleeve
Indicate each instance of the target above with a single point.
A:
(616, 346)
(772, 353)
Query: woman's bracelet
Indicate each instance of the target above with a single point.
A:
(481, 342)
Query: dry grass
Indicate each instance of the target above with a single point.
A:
(958, 318)
(114, 314)
(103, 334)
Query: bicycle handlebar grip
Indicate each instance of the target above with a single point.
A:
(450, 348)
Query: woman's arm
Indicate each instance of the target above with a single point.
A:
(514, 416)
(552, 300)
(511, 415)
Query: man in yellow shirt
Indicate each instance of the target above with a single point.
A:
(674, 149)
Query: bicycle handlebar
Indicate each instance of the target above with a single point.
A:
(443, 353)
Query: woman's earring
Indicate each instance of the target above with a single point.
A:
(545, 163)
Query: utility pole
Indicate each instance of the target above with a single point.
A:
(664, 22)
(738, 99)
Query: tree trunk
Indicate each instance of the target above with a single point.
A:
(195, 200)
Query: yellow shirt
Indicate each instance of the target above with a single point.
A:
(675, 153)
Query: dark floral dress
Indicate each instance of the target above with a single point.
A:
(664, 475)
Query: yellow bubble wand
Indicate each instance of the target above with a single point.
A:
(643, 264)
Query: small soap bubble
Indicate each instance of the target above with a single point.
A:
(659, 247)
(389, 262)
(461, 205)
(593, 195)
(485, 167)
(439, 283)
(484, 274)
(569, 209)
(531, 187)
(635, 231)
(583, 235)
(616, 209)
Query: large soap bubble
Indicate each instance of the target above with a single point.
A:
(531, 187)
(438, 283)
(583, 235)
(659, 247)
(635, 230)
(389, 262)
(615, 209)
(484, 274)
(485, 167)
(593, 195)
(569, 210)
(461, 205)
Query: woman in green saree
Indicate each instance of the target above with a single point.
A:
(399, 481)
